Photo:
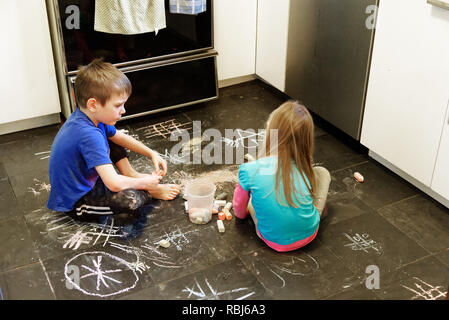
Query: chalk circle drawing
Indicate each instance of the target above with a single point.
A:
(211, 293)
(306, 265)
(426, 291)
(108, 282)
(363, 243)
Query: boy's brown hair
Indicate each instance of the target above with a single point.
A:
(99, 80)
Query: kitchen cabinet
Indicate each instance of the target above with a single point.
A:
(28, 84)
(440, 181)
(235, 37)
(405, 119)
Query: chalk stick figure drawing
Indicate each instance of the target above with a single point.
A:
(38, 187)
(426, 291)
(112, 275)
(211, 293)
(363, 243)
(254, 139)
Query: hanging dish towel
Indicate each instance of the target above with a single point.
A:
(129, 16)
(188, 6)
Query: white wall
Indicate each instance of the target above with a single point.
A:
(235, 37)
(408, 86)
(28, 83)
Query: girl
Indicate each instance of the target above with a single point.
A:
(287, 193)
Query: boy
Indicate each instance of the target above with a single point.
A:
(82, 175)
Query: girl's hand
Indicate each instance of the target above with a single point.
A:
(158, 162)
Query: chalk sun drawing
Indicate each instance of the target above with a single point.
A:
(426, 291)
(214, 294)
(104, 280)
(363, 243)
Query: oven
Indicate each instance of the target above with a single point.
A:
(172, 67)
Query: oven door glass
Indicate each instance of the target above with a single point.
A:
(184, 33)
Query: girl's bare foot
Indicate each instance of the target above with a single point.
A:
(165, 191)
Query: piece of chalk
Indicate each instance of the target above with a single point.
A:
(249, 157)
(221, 216)
(227, 214)
(358, 177)
(228, 205)
(164, 243)
(220, 203)
(220, 225)
(186, 205)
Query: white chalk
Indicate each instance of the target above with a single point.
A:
(186, 204)
(220, 225)
(220, 203)
(164, 243)
(228, 205)
(249, 157)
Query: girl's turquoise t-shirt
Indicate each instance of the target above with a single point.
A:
(282, 224)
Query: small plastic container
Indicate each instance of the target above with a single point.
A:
(200, 199)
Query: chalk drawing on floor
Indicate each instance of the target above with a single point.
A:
(426, 291)
(363, 243)
(109, 282)
(211, 293)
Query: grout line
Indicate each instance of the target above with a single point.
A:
(48, 279)
(353, 165)
(397, 202)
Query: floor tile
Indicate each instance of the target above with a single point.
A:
(193, 247)
(334, 155)
(426, 279)
(229, 280)
(367, 240)
(8, 209)
(16, 246)
(422, 219)
(26, 283)
(32, 189)
(311, 272)
(381, 187)
(97, 273)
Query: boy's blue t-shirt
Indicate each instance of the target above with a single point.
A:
(78, 148)
(281, 224)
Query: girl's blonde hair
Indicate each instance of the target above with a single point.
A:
(295, 141)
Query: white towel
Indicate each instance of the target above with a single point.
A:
(129, 16)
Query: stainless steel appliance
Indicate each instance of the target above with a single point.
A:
(328, 58)
(172, 68)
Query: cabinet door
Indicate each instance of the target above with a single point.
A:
(440, 181)
(408, 86)
(272, 36)
(28, 85)
(235, 37)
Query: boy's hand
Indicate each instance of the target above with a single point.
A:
(158, 162)
(151, 181)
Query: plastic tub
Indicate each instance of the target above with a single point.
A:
(200, 198)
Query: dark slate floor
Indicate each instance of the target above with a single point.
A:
(384, 222)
